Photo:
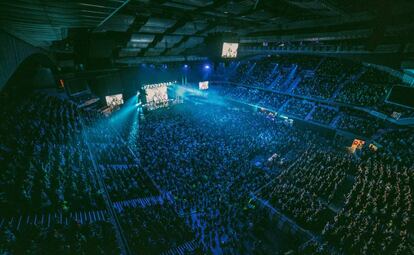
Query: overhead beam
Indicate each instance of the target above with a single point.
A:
(111, 14)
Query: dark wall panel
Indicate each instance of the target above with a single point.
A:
(12, 52)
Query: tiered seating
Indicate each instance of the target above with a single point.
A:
(297, 203)
(376, 216)
(253, 96)
(260, 76)
(64, 163)
(362, 94)
(321, 173)
(364, 126)
(280, 76)
(241, 72)
(153, 230)
(303, 192)
(127, 182)
(320, 87)
(47, 180)
(203, 158)
(45, 164)
(324, 115)
(400, 144)
(93, 238)
(389, 109)
(371, 75)
(361, 86)
(299, 108)
(113, 153)
(337, 67)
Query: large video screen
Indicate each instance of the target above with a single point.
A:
(203, 85)
(229, 50)
(156, 94)
(114, 100)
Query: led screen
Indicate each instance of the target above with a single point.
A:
(156, 94)
(229, 50)
(114, 100)
(203, 85)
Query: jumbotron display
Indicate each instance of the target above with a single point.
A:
(203, 85)
(229, 50)
(156, 95)
(114, 100)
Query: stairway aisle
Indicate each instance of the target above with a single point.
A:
(122, 242)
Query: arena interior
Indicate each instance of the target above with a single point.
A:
(239, 127)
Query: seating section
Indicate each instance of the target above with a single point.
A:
(91, 238)
(319, 87)
(62, 168)
(304, 191)
(376, 215)
(364, 126)
(350, 121)
(154, 230)
(262, 74)
(298, 108)
(203, 157)
(363, 94)
(127, 182)
(331, 79)
(324, 115)
(213, 177)
(45, 165)
(253, 96)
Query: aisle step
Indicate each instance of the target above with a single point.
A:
(48, 219)
(182, 249)
(141, 202)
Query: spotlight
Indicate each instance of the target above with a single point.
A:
(207, 67)
(185, 66)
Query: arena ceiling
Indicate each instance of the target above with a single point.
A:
(153, 28)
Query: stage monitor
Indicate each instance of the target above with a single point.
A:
(229, 50)
(203, 85)
(114, 100)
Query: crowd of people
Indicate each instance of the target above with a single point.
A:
(377, 216)
(44, 161)
(297, 107)
(154, 230)
(311, 192)
(73, 238)
(324, 115)
(62, 160)
(214, 159)
(303, 109)
(358, 125)
(318, 86)
(330, 79)
(127, 182)
(365, 94)
(202, 154)
(304, 191)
